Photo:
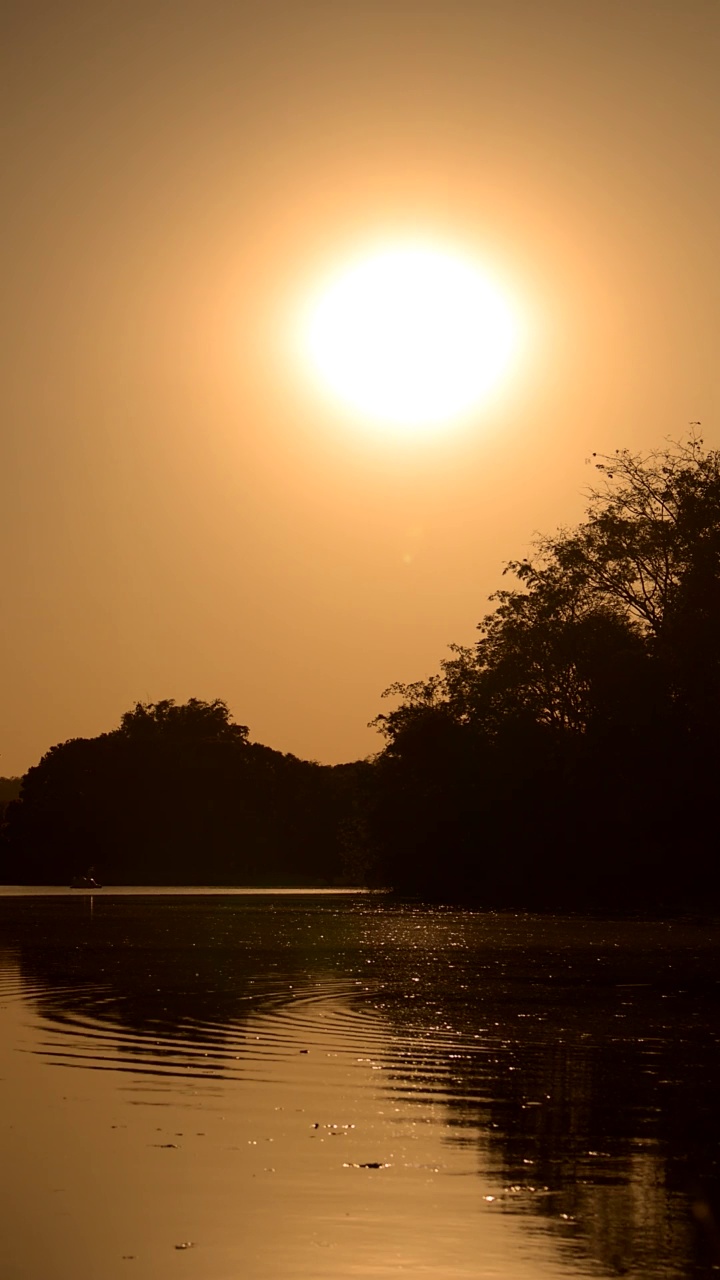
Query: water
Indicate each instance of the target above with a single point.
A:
(310, 1086)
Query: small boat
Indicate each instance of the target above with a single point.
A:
(85, 882)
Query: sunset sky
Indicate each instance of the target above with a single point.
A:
(184, 511)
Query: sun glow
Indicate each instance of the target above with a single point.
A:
(409, 336)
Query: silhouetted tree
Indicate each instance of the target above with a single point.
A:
(191, 722)
(177, 794)
(569, 754)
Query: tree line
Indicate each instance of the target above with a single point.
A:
(567, 758)
(177, 794)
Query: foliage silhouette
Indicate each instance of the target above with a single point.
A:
(566, 759)
(569, 755)
(177, 794)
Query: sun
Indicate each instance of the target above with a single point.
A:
(409, 335)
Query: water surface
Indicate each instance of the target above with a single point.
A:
(336, 1085)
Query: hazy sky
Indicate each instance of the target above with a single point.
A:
(181, 515)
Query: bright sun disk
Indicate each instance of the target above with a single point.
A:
(409, 335)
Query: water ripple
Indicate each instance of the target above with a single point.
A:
(87, 1026)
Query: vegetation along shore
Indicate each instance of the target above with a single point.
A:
(569, 758)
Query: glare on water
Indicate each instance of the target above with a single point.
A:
(293, 1086)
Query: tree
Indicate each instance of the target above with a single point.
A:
(639, 579)
(653, 528)
(593, 690)
(177, 794)
(192, 722)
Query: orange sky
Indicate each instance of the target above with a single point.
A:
(180, 516)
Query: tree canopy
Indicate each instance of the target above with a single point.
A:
(177, 794)
(595, 681)
(191, 722)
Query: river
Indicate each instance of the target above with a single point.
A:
(299, 1086)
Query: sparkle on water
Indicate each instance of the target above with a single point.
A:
(328, 1087)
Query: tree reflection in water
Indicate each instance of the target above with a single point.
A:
(579, 1056)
